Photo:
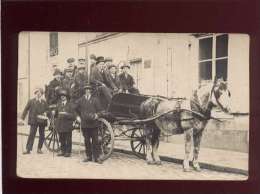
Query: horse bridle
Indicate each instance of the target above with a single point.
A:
(217, 101)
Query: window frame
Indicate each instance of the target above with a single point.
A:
(56, 49)
(214, 58)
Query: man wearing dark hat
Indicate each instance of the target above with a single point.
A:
(108, 61)
(93, 61)
(54, 85)
(37, 108)
(65, 115)
(126, 80)
(88, 108)
(81, 79)
(97, 78)
(112, 78)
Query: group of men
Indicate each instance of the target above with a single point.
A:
(71, 93)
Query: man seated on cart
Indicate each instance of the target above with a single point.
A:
(97, 78)
(126, 80)
(88, 108)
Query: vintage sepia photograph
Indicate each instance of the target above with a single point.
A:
(142, 106)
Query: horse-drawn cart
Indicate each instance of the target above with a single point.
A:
(119, 122)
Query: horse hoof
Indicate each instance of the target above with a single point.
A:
(158, 163)
(186, 166)
(196, 167)
(150, 162)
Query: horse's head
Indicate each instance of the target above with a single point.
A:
(220, 95)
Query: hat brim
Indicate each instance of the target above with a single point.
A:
(125, 66)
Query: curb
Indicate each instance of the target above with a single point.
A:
(203, 165)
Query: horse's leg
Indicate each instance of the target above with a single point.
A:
(148, 137)
(187, 140)
(155, 146)
(197, 134)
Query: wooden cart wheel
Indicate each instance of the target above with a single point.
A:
(106, 138)
(51, 140)
(137, 142)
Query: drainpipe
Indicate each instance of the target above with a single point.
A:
(86, 57)
(29, 66)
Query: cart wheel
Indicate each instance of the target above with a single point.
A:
(106, 138)
(51, 140)
(138, 143)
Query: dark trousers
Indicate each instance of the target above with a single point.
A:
(65, 142)
(92, 146)
(31, 137)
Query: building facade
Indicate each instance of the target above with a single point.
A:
(162, 63)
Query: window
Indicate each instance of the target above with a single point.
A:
(53, 44)
(213, 57)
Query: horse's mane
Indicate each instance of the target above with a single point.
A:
(200, 98)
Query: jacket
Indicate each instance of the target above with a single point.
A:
(112, 82)
(51, 91)
(35, 108)
(96, 77)
(126, 83)
(64, 122)
(87, 109)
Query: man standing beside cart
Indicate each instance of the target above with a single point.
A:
(37, 108)
(88, 108)
(65, 115)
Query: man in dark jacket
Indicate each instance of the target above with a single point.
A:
(65, 115)
(97, 78)
(52, 88)
(112, 78)
(81, 79)
(88, 108)
(37, 108)
(68, 82)
(127, 81)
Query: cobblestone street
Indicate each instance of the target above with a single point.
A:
(119, 166)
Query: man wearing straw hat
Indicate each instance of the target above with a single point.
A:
(36, 108)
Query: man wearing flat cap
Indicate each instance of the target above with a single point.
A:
(81, 78)
(68, 82)
(72, 66)
(54, 85)
(126, 80)
(88, 108)
(36, 107)
(97, 78)
(65, 115)
(112, 78)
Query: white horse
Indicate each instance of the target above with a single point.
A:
(190, 120)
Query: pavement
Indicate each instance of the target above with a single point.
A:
(213, 159)
(118, 166)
